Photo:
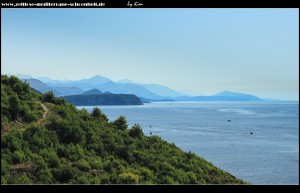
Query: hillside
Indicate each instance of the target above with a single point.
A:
(45, 140)
(103, 99)
(41, 86)
(69, 90)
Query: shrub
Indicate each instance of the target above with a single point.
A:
(129, 178)
(83, 165)
(136, 131)
(120, 123)
(18, 157)
(29, 116)
(49, 97)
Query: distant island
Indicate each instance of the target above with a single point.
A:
(103, 99)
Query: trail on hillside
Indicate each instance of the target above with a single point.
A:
(45, 113)
(8, 127)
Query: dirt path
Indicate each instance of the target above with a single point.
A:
(45, 113)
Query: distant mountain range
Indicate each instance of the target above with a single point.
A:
(41, 86)
(147, 92)
(223, 96)
(58, 91)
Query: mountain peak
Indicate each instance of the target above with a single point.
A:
(93, 91)
(97, 79)
(228, 93)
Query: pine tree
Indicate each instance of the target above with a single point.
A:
(120, 123)
(14, 103)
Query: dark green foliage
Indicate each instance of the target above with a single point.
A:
(60, 101)
(83, 165)
(96, 113)
(30, 116)
(18, 102)
(76, 147)
(49, 97)
(18, 157)
(120, 123)
(136, 131)
(5, 167)
(65, 174)
(129, 178)
(104, 99)
(14, 103)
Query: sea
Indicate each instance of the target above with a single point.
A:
(254, 141)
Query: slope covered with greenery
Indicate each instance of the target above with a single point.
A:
(45, 140)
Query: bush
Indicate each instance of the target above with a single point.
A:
(129, 178)
(49, 97)
(14, 103)
(18, 157)
(65, 174)
(44, 176)
(83, 165)
(4, 167)
(96, 163)
(96, 113)
(51, 158)
(120, 123)
(3, 180)
(136, 131)
(29, 117)
(74, 152)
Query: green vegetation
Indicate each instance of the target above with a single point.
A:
(45, 140)
(103, 99)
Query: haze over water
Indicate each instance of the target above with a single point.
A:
(268, 156)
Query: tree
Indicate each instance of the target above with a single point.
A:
(120, 123)
(49, 97)
(14, 103)
(12, 81)
(96, 113)
(136, 131)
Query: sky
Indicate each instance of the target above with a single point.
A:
(201, 50)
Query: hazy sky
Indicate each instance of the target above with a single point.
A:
(204, 50)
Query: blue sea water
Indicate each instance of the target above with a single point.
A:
(268, 156)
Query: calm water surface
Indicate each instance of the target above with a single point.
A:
(268, 156)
